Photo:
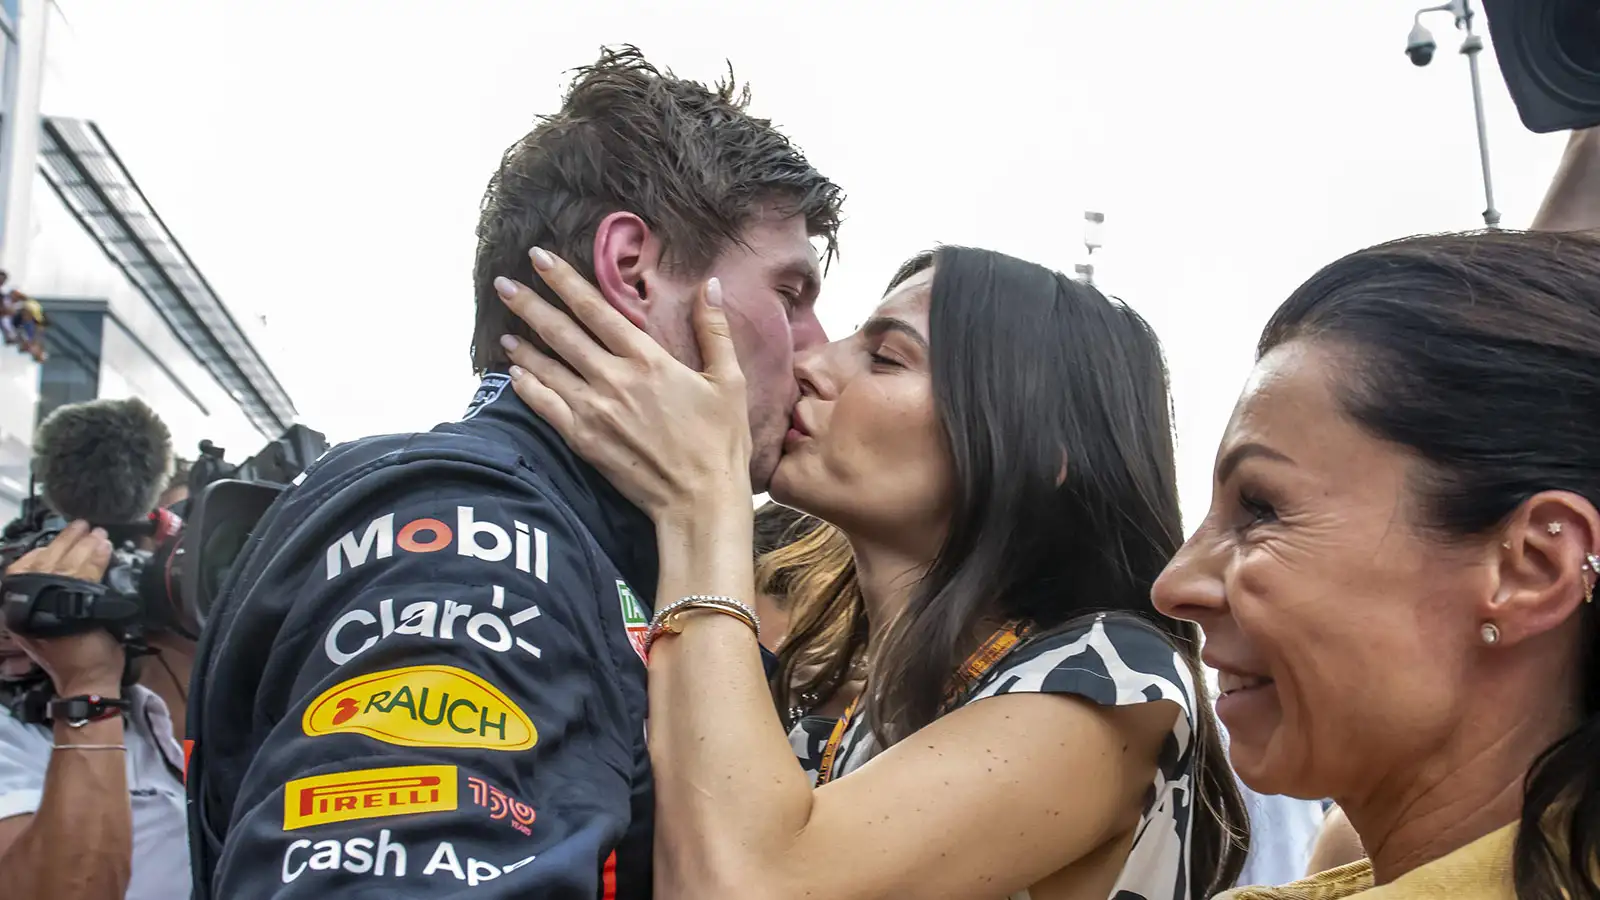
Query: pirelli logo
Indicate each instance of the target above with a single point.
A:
(368, 794)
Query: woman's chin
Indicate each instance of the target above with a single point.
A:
(779, 486)
(788, 484)
(1262, 770)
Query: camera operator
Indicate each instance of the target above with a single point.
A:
(101, 785)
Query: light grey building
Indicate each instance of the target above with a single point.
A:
(130, 314)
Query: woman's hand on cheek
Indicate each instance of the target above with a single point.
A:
(662, 433)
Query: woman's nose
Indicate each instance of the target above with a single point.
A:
(817, 370)
(1191, 586)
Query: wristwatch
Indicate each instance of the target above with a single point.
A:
(85, 708)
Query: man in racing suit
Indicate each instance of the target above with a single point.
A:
(423, 677)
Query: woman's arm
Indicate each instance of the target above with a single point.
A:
(1572, 202)
(986, 801)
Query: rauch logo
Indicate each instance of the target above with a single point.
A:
(368, 794)
(422, 706)
(478, 540)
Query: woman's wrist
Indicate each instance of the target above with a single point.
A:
(707, 549)
(714, 505)
(707, 536)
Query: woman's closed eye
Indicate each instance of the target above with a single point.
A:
(1256, 510)
(879, 360)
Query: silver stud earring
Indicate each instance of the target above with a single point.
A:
(1553, 528)
(1591, 562)
(1490, 633)
(1506, 544)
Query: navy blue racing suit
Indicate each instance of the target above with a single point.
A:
(422, 678)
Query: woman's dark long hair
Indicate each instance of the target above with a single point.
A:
(1481, 353)
(1054, 400)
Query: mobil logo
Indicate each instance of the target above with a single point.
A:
(526, 547)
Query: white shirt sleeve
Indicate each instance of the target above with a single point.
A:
(24, 759)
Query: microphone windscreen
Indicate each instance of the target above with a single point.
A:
(105, 461)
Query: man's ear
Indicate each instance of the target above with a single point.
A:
(626, 259)
(1543, 573)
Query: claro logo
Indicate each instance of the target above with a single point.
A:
(358, 631)
(422, 706)
(527, 547)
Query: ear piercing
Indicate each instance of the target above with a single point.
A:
(1490, 632)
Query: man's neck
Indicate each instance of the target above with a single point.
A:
(167, 676)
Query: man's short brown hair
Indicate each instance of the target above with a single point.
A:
(686, 158)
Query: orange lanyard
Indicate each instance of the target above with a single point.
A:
(977, 665)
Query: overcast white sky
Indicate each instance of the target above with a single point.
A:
(322, 160)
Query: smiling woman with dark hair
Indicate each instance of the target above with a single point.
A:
(1396, 576)
(995, 444)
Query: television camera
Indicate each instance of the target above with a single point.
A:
(165, 571)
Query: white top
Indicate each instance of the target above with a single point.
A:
(155, 791)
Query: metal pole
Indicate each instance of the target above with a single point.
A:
(8, 106)
(1091, 242)
(1471, 47)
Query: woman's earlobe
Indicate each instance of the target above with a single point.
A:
(1545, 570)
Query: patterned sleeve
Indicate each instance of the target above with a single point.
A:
(1108, 660)
(1117, 660)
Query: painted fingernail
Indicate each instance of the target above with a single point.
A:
(517, 372)
(541, 260)
(506, 287)
(508, 342)
(714, 293)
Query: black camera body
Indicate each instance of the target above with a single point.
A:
(127, 600)
(226, 502)
(165, 572)
(1549, 53)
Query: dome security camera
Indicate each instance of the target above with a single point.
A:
(1420, 45)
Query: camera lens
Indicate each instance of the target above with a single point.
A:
(222, 546)
(1577, 35)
